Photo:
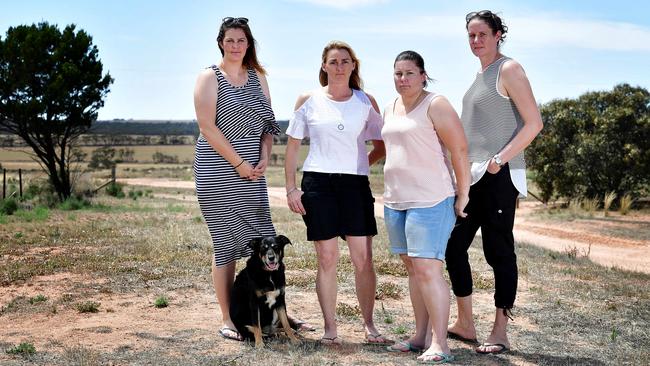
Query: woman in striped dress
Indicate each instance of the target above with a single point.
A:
(236, 121)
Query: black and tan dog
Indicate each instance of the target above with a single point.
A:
(257, 303)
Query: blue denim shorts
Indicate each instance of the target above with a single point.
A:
(421, 232)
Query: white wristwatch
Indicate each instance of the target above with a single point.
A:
(497, 160)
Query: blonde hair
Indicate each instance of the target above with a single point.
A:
(355, 78)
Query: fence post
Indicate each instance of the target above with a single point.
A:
(113, 173)
(20, 182)
(4, 183)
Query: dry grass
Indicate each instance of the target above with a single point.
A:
(569, 311)
(625, 204)
(607, 202)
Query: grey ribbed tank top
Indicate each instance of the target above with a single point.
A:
(490, 119)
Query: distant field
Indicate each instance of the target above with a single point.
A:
(142, 154)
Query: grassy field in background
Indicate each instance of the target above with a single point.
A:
(16, 158)
(569, 311)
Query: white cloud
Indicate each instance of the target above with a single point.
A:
(590, 34)
(343, 4)
(545, 30)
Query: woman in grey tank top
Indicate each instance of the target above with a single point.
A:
(500, 118)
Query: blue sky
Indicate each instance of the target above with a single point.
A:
(155, 50)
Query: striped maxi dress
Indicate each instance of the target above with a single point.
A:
(235, 209)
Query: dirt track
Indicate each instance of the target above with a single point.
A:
(606, 250)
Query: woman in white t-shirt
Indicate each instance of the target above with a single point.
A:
(334, 198)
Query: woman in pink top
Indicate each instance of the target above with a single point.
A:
(421, 202)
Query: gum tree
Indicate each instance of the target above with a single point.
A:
(51, 88)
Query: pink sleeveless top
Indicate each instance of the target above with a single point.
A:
(417, 173)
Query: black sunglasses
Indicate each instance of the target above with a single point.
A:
(481, 14)
(231, 20)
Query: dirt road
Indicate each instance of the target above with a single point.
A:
(581, 239)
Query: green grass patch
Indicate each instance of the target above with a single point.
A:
(161, 302)
(39, 213)
(23, 349)
(74, 203)
(176, 208)
(37, 299)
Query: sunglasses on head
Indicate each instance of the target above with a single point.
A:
(481, 14)
(231, 20)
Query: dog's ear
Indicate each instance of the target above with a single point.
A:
(255, 243)
(281, 239)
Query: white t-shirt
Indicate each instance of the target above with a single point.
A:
(338, 132)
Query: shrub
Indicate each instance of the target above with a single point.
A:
(115, 190)
(8, 206)
(161, 302)
(88, 307)
(595, 144)
(102, 158)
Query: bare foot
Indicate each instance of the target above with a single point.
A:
(467, 332)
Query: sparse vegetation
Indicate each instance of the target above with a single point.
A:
(144, 248)
(625, 204)
(8, 206)
(88, 307)
(348, 311)
(115, 190)
(590, 205)
(37, 299)
(388, 290)
(607, 202)
(24, 349)
(161, 302)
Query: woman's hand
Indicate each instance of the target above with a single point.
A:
(493, 167)
(294, 201)
(246, 171)
(461, 203)
(260, 169)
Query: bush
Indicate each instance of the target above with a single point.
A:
(115, 190)
(41, 192)
(102, 158)
(88, 307)
(161, 302)
(8, 206)
(593, 145)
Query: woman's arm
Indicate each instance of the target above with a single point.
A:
(378, 148)
(451, 133)
(517, 87)
(205, 105)
(266, 143)
(291, 165)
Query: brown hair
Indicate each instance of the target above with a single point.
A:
(492, 20)
(250, 58)
(355, 78)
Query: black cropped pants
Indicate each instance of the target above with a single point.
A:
(491, 207)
